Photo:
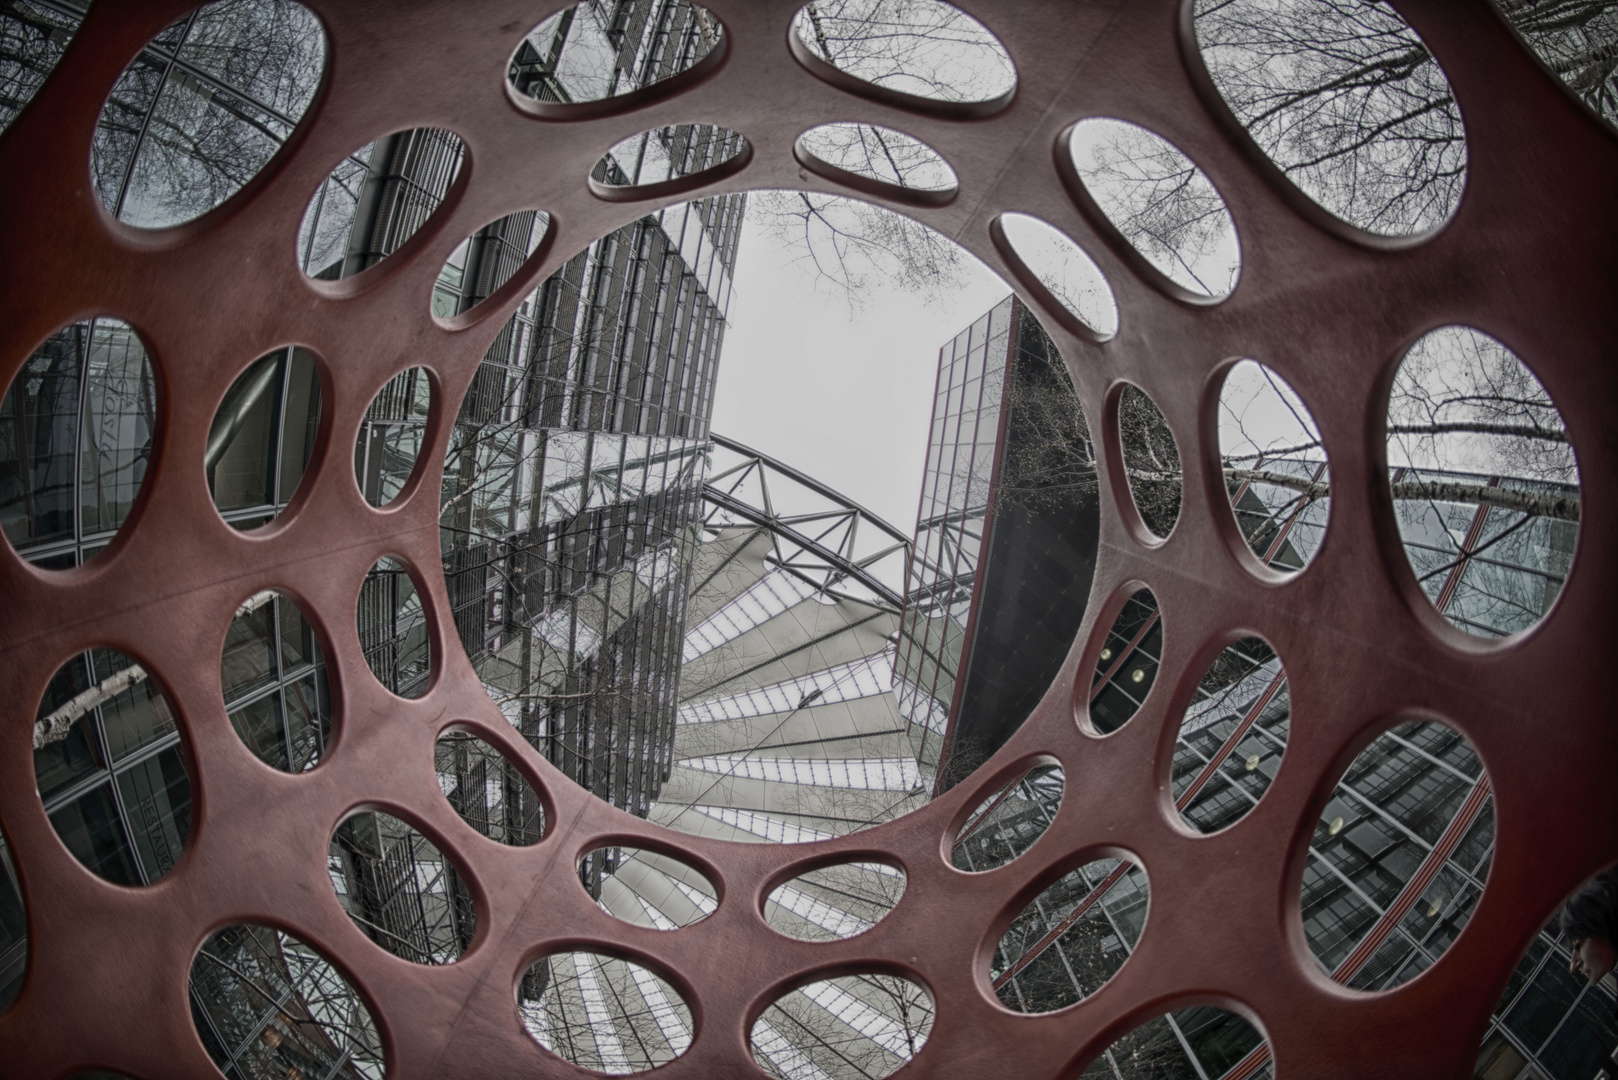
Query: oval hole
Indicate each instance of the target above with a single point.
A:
(203, 108)
(1072, 938)
(13, 931)
(58, 506)
(1160, 202)
(273, 673)
(262, 438)
(879, 1021)
(647, 888)
(1485, 483)
(1232, 736)
(1399, 857)
(1572, 47)
(486, 260)
(1126, 668)
(1188, 1042)
(391, 435)
(602, 1013)
(1007, 823)
(315, 1024)
(1276, 471)
(111, 768)
(922, 48)
(591, 52)
(834, 902)
(402, 892)
(891, 158)
(1385, 153)
(375, 199)
(1065, 270)
(670, 153)
(488, 790)
(393, 629)
(1151, 460)
(42, 35)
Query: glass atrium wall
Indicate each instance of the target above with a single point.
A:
(955, 515)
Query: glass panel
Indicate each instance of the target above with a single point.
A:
(94, 833)
(34, 38)
(156, 795)
(1185, 1045)
(260, 727)
(249, 656)
(67, 744)
(134, 712)
(666, 153)
(120, 413)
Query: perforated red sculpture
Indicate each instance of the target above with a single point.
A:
(1529, 257)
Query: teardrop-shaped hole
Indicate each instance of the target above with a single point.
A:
(1485, 482)
(669, 154)
(1126, 667)
(486, 260)
(889, 158)
(922, 48)
(1399, 857)
(273, 674)
(375, 199)
(1072, 938)
(1204, 1041)
(1276, 470)
(603, 1013)
(89, 385)
(1007, 823)
(391, 435)
(1151, 460)
(880, 1021)
(402, 892)
(268, 1005)
(262, 437)
(490, 792)
(647, 888)
(1347, 101)
(203, 108)
(834, 902)
(1232, 736)
(1066, 271)
(1161, 203)
(111, 768)
(393, 628)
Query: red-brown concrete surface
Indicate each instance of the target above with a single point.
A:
(1529, 257)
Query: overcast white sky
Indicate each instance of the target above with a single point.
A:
(846, 399)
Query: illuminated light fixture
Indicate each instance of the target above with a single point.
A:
(1137, 675)
(1252, 763)
(1106, 654)
(1336, 826)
